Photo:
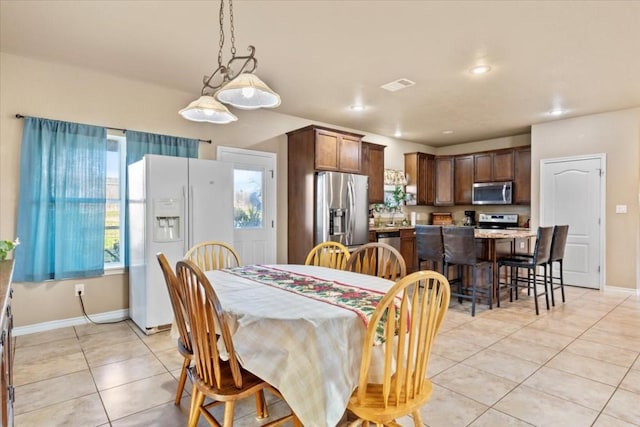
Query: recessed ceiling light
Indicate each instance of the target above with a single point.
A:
(480, 69)
(447, 132)
(556, 112)
(357, 107)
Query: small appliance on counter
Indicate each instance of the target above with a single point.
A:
(470, 218)
(497, 221)
(441, 218)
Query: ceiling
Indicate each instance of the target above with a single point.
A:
(324, 56)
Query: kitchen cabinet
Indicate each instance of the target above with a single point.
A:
(463, 179)
(419, 168)
(408, 248)
(522, 176)
(336, 151)
(6, 347)
(309, 150)
(493, 166)
(444, 181)
(373, 167)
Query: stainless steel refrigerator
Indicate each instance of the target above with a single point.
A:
(342, 208)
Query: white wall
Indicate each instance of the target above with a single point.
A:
(618, 135)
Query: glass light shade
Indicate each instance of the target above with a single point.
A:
(207, 109)
(248, 92)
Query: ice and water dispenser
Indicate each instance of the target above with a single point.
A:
(167, 220)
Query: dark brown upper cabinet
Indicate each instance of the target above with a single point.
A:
(493, 166)
(522, 176)
(463, 179)
(419, 169)
(444, 181)
(336, 151)
(373, 167)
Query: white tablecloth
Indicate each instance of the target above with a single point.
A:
(309, 350)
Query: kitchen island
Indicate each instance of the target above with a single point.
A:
(488, 241)
(492, 237)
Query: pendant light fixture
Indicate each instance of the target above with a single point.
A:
(239, 88)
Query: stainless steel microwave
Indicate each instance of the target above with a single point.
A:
(492, 193)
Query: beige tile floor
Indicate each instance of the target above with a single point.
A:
(576, 365)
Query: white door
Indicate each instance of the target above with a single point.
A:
(254, 200)
(572, 192)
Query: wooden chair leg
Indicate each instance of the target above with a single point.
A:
(261, 405)
(417, 419)
(197, 399)
(229, 409)
(182, 380)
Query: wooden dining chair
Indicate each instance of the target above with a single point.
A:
(224, 381)
(213, 255)
(411, 313)
(378, 259)
(180, 316)
(328, 254)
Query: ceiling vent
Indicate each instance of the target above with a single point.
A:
(397, 85)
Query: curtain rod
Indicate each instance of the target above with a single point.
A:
(208, 141)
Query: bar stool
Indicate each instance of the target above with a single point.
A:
(429, 246)
(460, 249)
(540, 258)
(558, 244)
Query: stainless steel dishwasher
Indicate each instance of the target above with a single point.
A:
(391, 238)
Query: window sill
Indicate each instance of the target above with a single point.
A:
(112, 271)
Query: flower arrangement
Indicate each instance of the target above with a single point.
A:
(6, 246)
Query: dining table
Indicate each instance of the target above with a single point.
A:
(301, 328)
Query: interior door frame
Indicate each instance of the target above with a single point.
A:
(603, 197)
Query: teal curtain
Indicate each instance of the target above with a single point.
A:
(141, 143)
(61, 204)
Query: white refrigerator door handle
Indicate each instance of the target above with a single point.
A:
(185, 244)
(191, 242)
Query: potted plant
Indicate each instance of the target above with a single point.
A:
(7, 246)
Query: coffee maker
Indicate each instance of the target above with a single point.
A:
(470, 218)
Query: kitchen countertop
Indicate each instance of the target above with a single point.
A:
(481, 233)
(509, 233)
(387, 229)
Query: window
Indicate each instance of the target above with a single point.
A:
(247, 198)
(114, 227)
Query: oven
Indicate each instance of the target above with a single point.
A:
(497, 221)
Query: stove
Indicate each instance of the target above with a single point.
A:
(497, 221)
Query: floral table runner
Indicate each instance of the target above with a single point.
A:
(361, 301)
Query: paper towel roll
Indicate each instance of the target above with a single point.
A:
(413, 218)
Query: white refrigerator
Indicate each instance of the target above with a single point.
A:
(174, 202)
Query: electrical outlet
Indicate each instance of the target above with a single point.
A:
(79, 289)
(521, 245)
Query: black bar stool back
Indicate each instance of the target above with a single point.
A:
(558, 244)
(460, 249)
(540, 258)
(429, 246)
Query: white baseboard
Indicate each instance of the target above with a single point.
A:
(108, 316)
(621, 289)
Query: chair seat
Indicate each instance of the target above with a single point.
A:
(251, 384)
(373, 409)
(516, 261)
